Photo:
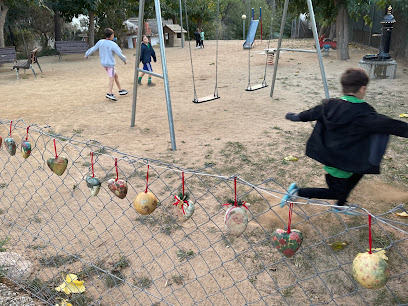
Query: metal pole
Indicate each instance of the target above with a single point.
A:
(181, 25)
(165, 76)
(243, 28)
(137, 59)
(319, 53)
(275, 68)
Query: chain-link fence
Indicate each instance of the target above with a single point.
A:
(62, 244)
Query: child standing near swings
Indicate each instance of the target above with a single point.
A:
(146, 55)
(107, 49)
(349, 138)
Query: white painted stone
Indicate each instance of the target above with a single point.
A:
(379, 69)
(15, 266)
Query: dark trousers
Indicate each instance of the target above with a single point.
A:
(197, 42)
(202, 43)
(339, 189)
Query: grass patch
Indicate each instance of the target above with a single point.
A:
(143, 282)
(3, 243)
(184, 255)
(58, 260)
(114, 278)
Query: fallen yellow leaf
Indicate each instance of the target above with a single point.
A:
(291, 158)
(64, 302)
(403, 115)
(403, 214)
(71, 284)
(338, 245)
(387, 157)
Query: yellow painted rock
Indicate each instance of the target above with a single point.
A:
(145, 203)
(370, 270)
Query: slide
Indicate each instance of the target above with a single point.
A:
(253, 26)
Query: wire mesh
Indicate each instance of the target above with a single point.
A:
(123, 258)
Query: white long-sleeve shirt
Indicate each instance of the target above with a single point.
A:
(107, 48)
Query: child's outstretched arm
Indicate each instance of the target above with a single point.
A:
(118, 52)
(292, 117)
(92, 50)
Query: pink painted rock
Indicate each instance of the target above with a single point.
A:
(25, 149)
(287, 243)
(118, 187)
(57, 165)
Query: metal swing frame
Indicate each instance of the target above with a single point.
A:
(214, 96)
(164, 67)
(263, 84)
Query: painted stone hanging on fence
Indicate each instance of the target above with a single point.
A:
(287, 241)
(117, 186)
(26, 146)
(10, 143)
(370, 269)
(57, 164)
(93, 183)
(145, 202)
(184, 208)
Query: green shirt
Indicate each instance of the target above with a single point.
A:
(334, 171)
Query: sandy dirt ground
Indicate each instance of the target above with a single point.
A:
(69, 96)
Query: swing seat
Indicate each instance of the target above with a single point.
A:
(206, 99)
(256, 87)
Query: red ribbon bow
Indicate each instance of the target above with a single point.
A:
(182, 205)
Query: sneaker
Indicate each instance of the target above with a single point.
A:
(123, 92)
(111, 96)
(292, 191)
(151, 84)
(347, 210)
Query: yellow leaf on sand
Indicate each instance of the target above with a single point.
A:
(71, 285)
(403, 214)
(338, 245)
(291, 158)
(380, 252)
(64, 302)
(403, 115)
(387, 157)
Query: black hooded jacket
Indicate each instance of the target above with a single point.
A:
(350, 136)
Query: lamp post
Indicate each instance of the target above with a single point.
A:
(243, 25)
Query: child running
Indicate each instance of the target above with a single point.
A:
(107, 48)
(349, 138)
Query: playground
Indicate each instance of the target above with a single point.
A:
(243, 133)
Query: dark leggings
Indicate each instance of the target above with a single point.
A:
(339, 189)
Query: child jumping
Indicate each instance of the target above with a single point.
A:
(146, 55)
(107, 48)
(349, 138)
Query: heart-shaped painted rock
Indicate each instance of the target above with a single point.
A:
(25, 149)
(94, 185)
(287, 243)
(57, 165)
(184, 210)
(10, 146)
(236, 220)
(118, 187)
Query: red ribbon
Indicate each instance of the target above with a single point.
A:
(55, 149)
(11, 124)
(370, 239)
(182, 201)
(116, 166)
(235, 198)
(92, 165)
(28, 127)
(290, 216)
(147, 177)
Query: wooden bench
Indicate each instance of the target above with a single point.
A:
(8, 55)
(71, 47)
(28, 63)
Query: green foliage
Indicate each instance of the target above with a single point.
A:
(3, 243)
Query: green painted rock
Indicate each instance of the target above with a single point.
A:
(287, 243)
(57, 165)
(94, 185)
(10, 146)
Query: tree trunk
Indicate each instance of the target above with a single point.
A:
(57, 25)
(3, 13)
(342, 30)
(200, 24)
(332, 31)
(91, 40)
